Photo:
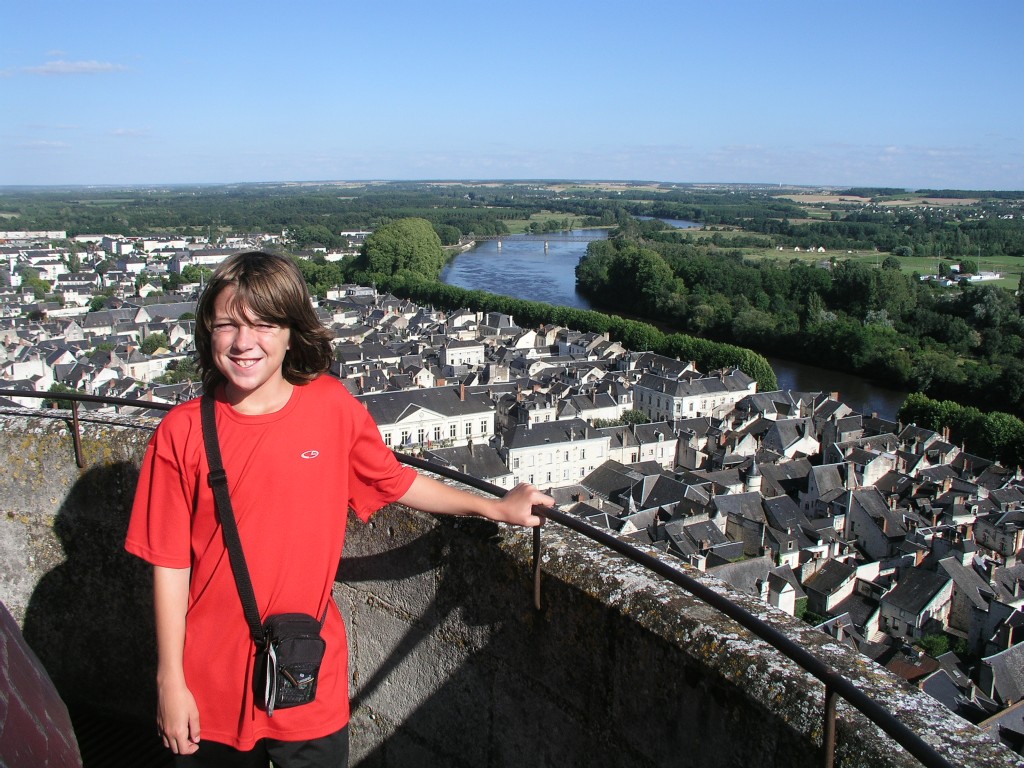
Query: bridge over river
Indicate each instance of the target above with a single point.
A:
(546, 238)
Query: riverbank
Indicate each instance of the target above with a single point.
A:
(523, 269)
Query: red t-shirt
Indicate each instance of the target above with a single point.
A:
(292, 475)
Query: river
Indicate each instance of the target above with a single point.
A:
(543, 268)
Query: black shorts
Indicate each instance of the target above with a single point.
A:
(326, 752)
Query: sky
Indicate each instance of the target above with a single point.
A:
(900, 94)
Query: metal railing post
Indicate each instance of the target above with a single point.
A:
(77, 435)
(828, 737)
(536, 567)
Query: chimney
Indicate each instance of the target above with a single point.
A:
(462, 391)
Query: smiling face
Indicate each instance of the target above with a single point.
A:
(249, 352)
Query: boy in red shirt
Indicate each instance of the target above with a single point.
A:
(298, 451)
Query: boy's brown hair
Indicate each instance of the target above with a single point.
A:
(270, 287)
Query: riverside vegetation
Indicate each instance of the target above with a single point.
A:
(726, 288)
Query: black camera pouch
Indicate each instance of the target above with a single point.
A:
(288, 665)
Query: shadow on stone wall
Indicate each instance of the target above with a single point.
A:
(478, 677)
(89, 620)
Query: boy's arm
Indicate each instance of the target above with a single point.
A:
(177, 714)
(516, 507)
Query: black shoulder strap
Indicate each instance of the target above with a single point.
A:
(219, 482)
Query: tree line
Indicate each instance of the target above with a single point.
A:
(965, 345)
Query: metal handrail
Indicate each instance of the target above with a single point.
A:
(835, 684)
(80, 397)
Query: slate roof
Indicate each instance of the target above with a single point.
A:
(745, 574)
(1005, 498)
(830, 577)
(1008, 673)
(873, 504)
(390, 407)
(735, 381)
(690, 538)
(746, 505)
(967, 581)
(610, 479)
(480, 461)
(828, 477)
(784, 477)
(784, 514)
(653, 492)
(548, 432)
(915, 589)
(1006, 579)
(859, 608)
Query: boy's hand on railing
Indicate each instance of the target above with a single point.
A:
(517, 506)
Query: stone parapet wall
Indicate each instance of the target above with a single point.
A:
(450, 662)
(84, 604)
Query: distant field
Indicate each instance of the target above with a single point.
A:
(107, 202)
(940, 201)
(1010, 268)
(819, 199)
(518, 226)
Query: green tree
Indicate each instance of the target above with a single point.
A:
(186, 369)
(934, 645)
(153, 342)
(40, 288)
(449, 235)
(102, 267)
(634, 416)
(62, 403)
(403, 245)
(315, 234)
(192, 273)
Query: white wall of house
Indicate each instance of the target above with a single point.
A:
(556, 465)
(423, 427)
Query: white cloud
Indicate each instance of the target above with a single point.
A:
(131, 132)
(61, 67)
(45, 145)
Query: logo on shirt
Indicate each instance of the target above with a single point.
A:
(309, 454)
